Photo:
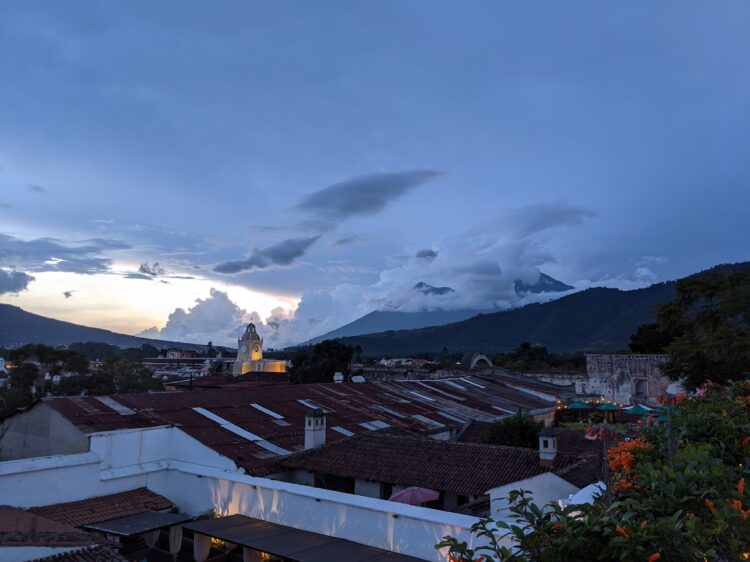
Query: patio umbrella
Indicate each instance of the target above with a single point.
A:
(415, 495)
(639, 410)
(608, 407)
(578, 405)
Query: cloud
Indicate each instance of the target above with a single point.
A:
(68, 294)
(154, 270)
(282, 254)
(360, 196)
(51, 254)
(12, 281)
(5, 205)
(346, 240)
(215, 318)
(427, 254)
(138, 276)
(36, 188)
(481, 264)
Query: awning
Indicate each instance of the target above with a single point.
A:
(139, 524)
(287, 542)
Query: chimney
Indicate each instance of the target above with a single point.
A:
(315, 428)
(338, 376)
(547, 446)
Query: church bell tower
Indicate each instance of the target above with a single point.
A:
(250, 346)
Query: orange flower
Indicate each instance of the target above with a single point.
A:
(644, 524)
(735, 504)
(741, 487)
(624, 531)
(710, 504)
(557, 526)
(654, 557)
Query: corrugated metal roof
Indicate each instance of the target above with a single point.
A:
(262, 411)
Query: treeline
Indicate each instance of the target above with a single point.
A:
(40, 370)
(531, 358)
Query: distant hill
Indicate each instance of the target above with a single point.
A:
(382, 320)
(546, 284)
(394, 319)
(597, 319)
(18, 327)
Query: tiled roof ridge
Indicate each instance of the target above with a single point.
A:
(96, 509)
(384, 437)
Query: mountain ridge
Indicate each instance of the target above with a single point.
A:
(596, 319)
(19, 327)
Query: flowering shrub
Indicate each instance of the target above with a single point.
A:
(677, 493)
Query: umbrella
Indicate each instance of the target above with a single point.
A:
(578, 406)
(608, 406)
(415, 495)
(639, 410)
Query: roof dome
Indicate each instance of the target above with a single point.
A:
(250, 333)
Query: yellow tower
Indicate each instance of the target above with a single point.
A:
(250, 355)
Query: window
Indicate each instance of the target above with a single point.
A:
(545, 443)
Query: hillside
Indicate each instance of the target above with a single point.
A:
(381, 320)
(394, 319)
(18, 327)
(597, 319)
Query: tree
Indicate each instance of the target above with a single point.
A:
(520, 430)
(711, 314)
(528, 357)
(122, 376)
(318, 363)
(677, 493)
(650, 338)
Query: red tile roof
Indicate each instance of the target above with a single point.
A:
(104, 508)
(96, 553)
(462, 468)
(20, 528)
(411, 406)
(569, 441)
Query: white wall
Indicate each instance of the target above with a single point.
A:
(367, 488)
(544, 487)
(393, 526)
(58, 479)
(156, 458)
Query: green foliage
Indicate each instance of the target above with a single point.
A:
(122, 376)
(519, 430)
(651, 338)
(527, 357)
(94, 351)
(711, 314)
(318, 363)
(677, 494)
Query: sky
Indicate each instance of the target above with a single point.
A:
(177, 169)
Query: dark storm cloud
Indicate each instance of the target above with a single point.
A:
(281, 254)
(346, 240)
(68, 294)
(14, 281)
(427, 254)
(154, 270)
(51, 254)
(362, 195)
(533, 219)
(34, 188)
